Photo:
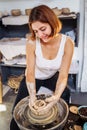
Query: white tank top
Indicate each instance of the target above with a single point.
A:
(45, 68)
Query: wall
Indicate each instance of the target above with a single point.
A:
(7, 5)
(84, 72)
(81, 45)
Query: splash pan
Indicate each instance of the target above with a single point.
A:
(55, 119)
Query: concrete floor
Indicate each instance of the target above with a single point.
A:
(5, 116)
(8, 100)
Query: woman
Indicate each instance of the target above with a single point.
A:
(48, 57)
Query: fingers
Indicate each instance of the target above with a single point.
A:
(32, 100)
(50, 99)
(32, 109)
(40, 107)
(47, 108)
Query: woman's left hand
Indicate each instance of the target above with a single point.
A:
(52, 98)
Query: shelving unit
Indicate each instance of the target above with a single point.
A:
(69, 23)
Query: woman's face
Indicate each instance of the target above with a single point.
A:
(42, 30)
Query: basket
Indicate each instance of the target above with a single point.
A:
(65, 11)
(14, 82)
(16, 12)
(27, 11)
(57, 11)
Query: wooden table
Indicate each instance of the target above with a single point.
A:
(73, 119)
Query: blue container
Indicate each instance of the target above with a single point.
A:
(85, 126)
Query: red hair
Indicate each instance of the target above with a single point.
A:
(44, 14)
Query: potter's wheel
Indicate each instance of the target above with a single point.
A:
(28, 120)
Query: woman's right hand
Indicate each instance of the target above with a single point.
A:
(32, 99)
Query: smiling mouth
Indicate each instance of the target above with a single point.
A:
(45, 37)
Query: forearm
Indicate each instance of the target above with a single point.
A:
(30, 82)
(60, 86)
(32, 92)
(31, 88)
(59, 90)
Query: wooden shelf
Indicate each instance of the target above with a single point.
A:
(13, 65)
(23, 19)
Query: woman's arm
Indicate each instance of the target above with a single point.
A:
(30, 61)
(30, 70)
(64, 69)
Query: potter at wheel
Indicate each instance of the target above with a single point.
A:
(28, 119)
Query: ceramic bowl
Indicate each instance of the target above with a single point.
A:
(82, 112)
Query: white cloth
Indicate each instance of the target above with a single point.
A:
(47, 68)
(45, 90)
(11, 49)
(15, 20)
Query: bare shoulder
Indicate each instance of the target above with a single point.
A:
(69, 43)
(30, 43)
